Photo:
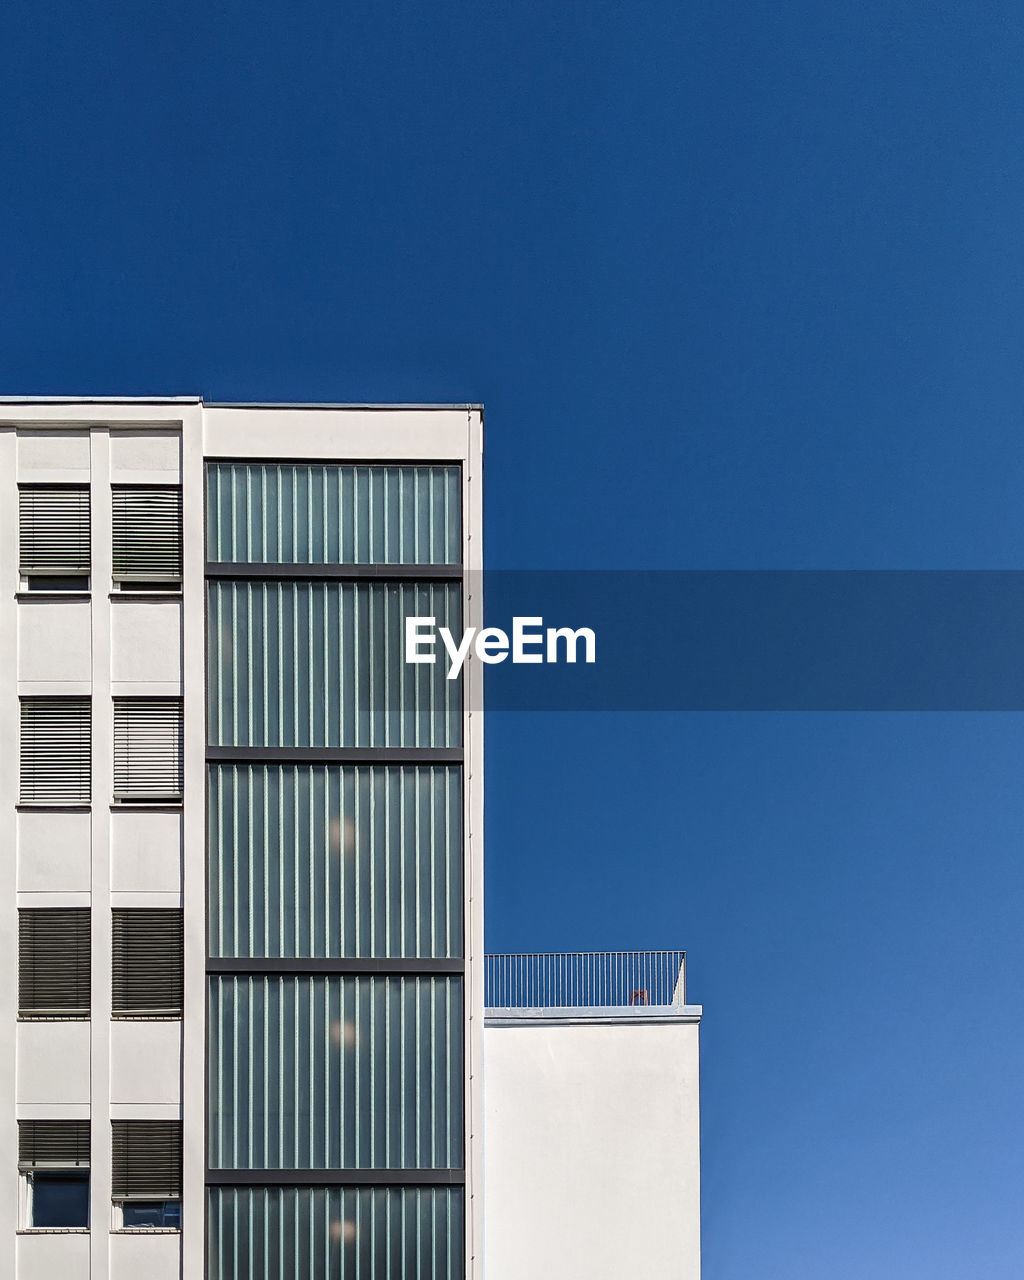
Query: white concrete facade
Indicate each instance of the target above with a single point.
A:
(98, 644)
(592, 1158)
(105, 644)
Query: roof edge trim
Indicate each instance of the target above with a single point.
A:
(383, 406)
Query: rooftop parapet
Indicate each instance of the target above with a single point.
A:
(574, 983)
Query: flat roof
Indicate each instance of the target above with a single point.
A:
(232, 404)
(329, 404)
(101, 399)
(589, 1015)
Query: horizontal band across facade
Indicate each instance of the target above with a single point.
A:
(337, 755)
(335, 1177)
(245, 964)
(339, 572)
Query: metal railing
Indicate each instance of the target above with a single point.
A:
(584, 979)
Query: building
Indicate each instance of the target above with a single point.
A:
(292, 784)
(243, 915)
(591, 1117)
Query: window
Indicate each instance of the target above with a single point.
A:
(371, 855)
(59, 1199)
(148, 965)
(146, 1185)
(53, 962)
(330, 513)
(151, 1213)
(53, 1159)
(146, 537)
(322, 664)
(342, 1046)
(54, 537)
(56, 750)
(277, 1233)
(148, 762)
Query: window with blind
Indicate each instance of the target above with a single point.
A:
(53, 961)
(146, 1160)
(148, 764)
(56, 750)
(148, 975)
(146, 535)
(53, 1158)
(53, 547)
(53, 1144)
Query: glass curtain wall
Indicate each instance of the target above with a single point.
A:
(335, 875)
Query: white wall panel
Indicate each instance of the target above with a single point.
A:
(53, 1255)
(145, 1062)
(53, 1063)
(592, 1151)
(145, 451)
(45, 454)
(145, 855)
(377, 434)
(53, 852)
(54, 641)
(145, 641)
(155, 1255)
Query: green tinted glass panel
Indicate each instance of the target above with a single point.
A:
(336, 1233)
(335, 1072)
(303, 513)
(322, 664)
(335, 861)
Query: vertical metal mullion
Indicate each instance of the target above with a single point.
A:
(386, 776)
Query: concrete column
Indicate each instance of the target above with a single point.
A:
(193, 1093)
(9, 732)
(472, 524)
(102, 793)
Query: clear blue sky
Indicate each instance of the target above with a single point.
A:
(741, 286)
